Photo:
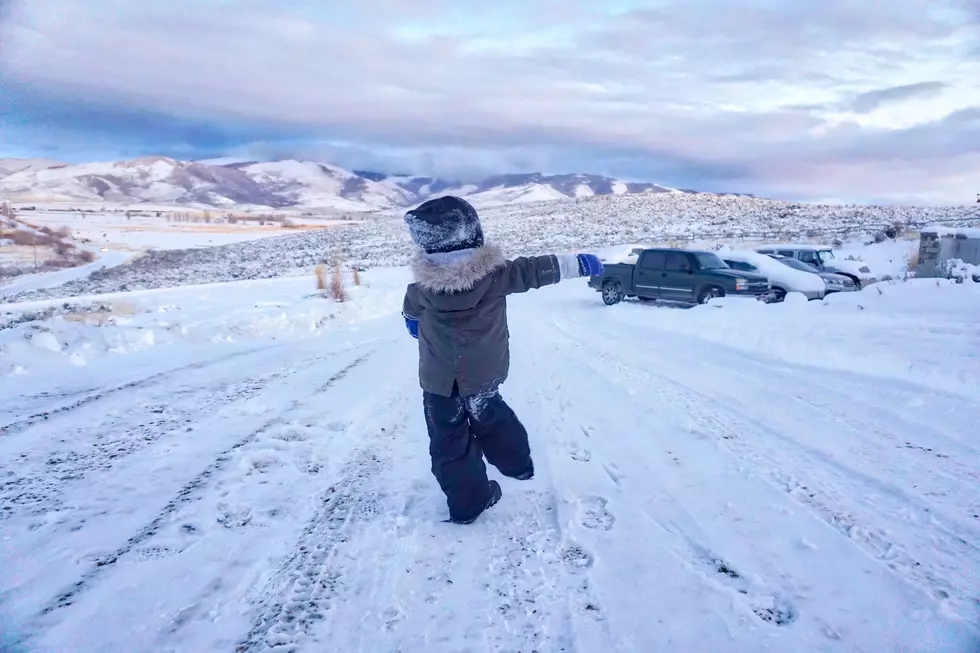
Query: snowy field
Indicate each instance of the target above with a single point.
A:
(243, 467)
(664, 219)
(138, 233)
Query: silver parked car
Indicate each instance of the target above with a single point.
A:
(835, 282)
(823, 259)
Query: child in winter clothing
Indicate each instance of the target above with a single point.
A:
(457, 309)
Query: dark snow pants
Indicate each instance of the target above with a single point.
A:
(461, 431)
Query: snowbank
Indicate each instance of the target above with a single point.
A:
(888, 259)
(922, 330)
(960, 270)
(965, 232)
(37, 337)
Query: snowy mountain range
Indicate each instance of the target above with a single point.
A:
(306, 185)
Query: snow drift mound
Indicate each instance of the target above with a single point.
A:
(889, 330)
(46, 335)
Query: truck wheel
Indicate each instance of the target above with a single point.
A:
(612, 292)
(709, 292)
(780, 295)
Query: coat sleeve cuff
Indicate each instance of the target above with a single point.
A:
(568, 266)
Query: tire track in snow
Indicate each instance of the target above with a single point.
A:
(250, 515)
(23, 487)
(402, 579)
(190, 492)
(864, 421)
(341, 569)
(23, 423)
(943, 579)
(945, 473)
(589, 627)
(771, 607)
(298, 597)
(666, 513)
(538, 580)
(306, 582)
(536, 536)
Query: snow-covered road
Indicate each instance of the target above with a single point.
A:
(50, 279)
(689, 497)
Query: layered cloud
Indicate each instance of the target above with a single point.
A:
(830, 100)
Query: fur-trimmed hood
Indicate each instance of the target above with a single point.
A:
(461, 274)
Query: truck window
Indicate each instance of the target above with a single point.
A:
(653, 260)
(710, 261)
(741, 266)
(677, 262)
(810, 257)
(787, 253)
(826, 255)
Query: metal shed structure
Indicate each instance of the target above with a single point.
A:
(938, 246)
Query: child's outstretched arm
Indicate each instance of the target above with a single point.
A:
(527, 273)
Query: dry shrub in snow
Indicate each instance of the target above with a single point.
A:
(102, 314)
(321, 277)
(337, 290)
(913, 261)
(357, 277)
(23, 238)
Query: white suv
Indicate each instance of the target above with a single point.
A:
(824, 260)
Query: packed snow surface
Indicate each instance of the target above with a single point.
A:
(233, 469)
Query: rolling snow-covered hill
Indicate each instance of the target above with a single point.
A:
(11, 166)
(521, 188)
(306, 185)
(315, 185)
(164, 180)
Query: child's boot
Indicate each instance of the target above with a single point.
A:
(528, 474)
(495, 495)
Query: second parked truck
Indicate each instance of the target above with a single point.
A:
(677, 275)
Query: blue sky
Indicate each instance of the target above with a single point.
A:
(842, 100)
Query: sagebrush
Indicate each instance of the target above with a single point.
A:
(337, 289)
(321, 276)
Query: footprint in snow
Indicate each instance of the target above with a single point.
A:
(581, 455)
(146, 553)
(574, 555)
(595, 516)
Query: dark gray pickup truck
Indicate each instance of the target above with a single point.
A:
(678, 275)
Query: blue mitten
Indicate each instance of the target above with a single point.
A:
(412, 325)
(589, 265)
